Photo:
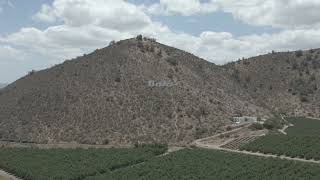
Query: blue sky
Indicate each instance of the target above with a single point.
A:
(39, 34)
(216, 21)
(14, 18)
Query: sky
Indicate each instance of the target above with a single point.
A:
(38, 34)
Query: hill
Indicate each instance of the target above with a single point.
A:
(135, 90)
(285, 82)
(138, 90)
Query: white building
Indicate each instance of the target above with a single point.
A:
(244, 120)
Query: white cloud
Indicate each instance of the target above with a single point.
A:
(276, 13)
(118, 15)
(62, 42)
(88, 25)
(46, 14)
(181, 7)
(222, 47)
(8, 52)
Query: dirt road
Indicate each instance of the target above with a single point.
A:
(201, 143)
(58, 145)
(206, 146)
(6, 176)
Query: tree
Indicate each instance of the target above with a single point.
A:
(31, 72)
(139, 37)
(112, 43)
(299, 53)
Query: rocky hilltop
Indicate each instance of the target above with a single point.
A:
(138, 90)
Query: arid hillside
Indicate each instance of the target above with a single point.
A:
(138, 90)
(135, 90)
(286, 82)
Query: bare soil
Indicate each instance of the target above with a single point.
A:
(6, 176)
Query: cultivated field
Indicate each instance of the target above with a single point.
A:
(307, 147)
(151, 162)
(39, 164)
(212, 164)
(302, 140)
(304, 126)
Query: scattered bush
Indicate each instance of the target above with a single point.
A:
(248, 79)
(200, 132)
(313, 77)
(295, 66)
(118, 79)
(229, 128)
(304, 99)
(256, 126)
(31, 72)
(140, 45)
(309, 57)
(273, 123)
(172, 61)
(159, 53)
(106, 141)
(236, 75)
(112, 43)
(170, 76)
(270, 87)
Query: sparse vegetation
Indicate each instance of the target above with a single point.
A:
(236, 75)
(139, 37)
(172, 61)
(256, 126)
(273, 123)
(200, 132)
(299, 53)
(118, 79)
(31, 72)
(159, 53)
(112, 43)
(108, 89)
(304, 99)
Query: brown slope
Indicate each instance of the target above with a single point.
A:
(104, 96)
(286, 82)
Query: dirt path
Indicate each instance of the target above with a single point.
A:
(217, 135)
(314, 118)
(58, 145)
(200, 143)
(6, 176)
(283, 130)
(206, 146)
